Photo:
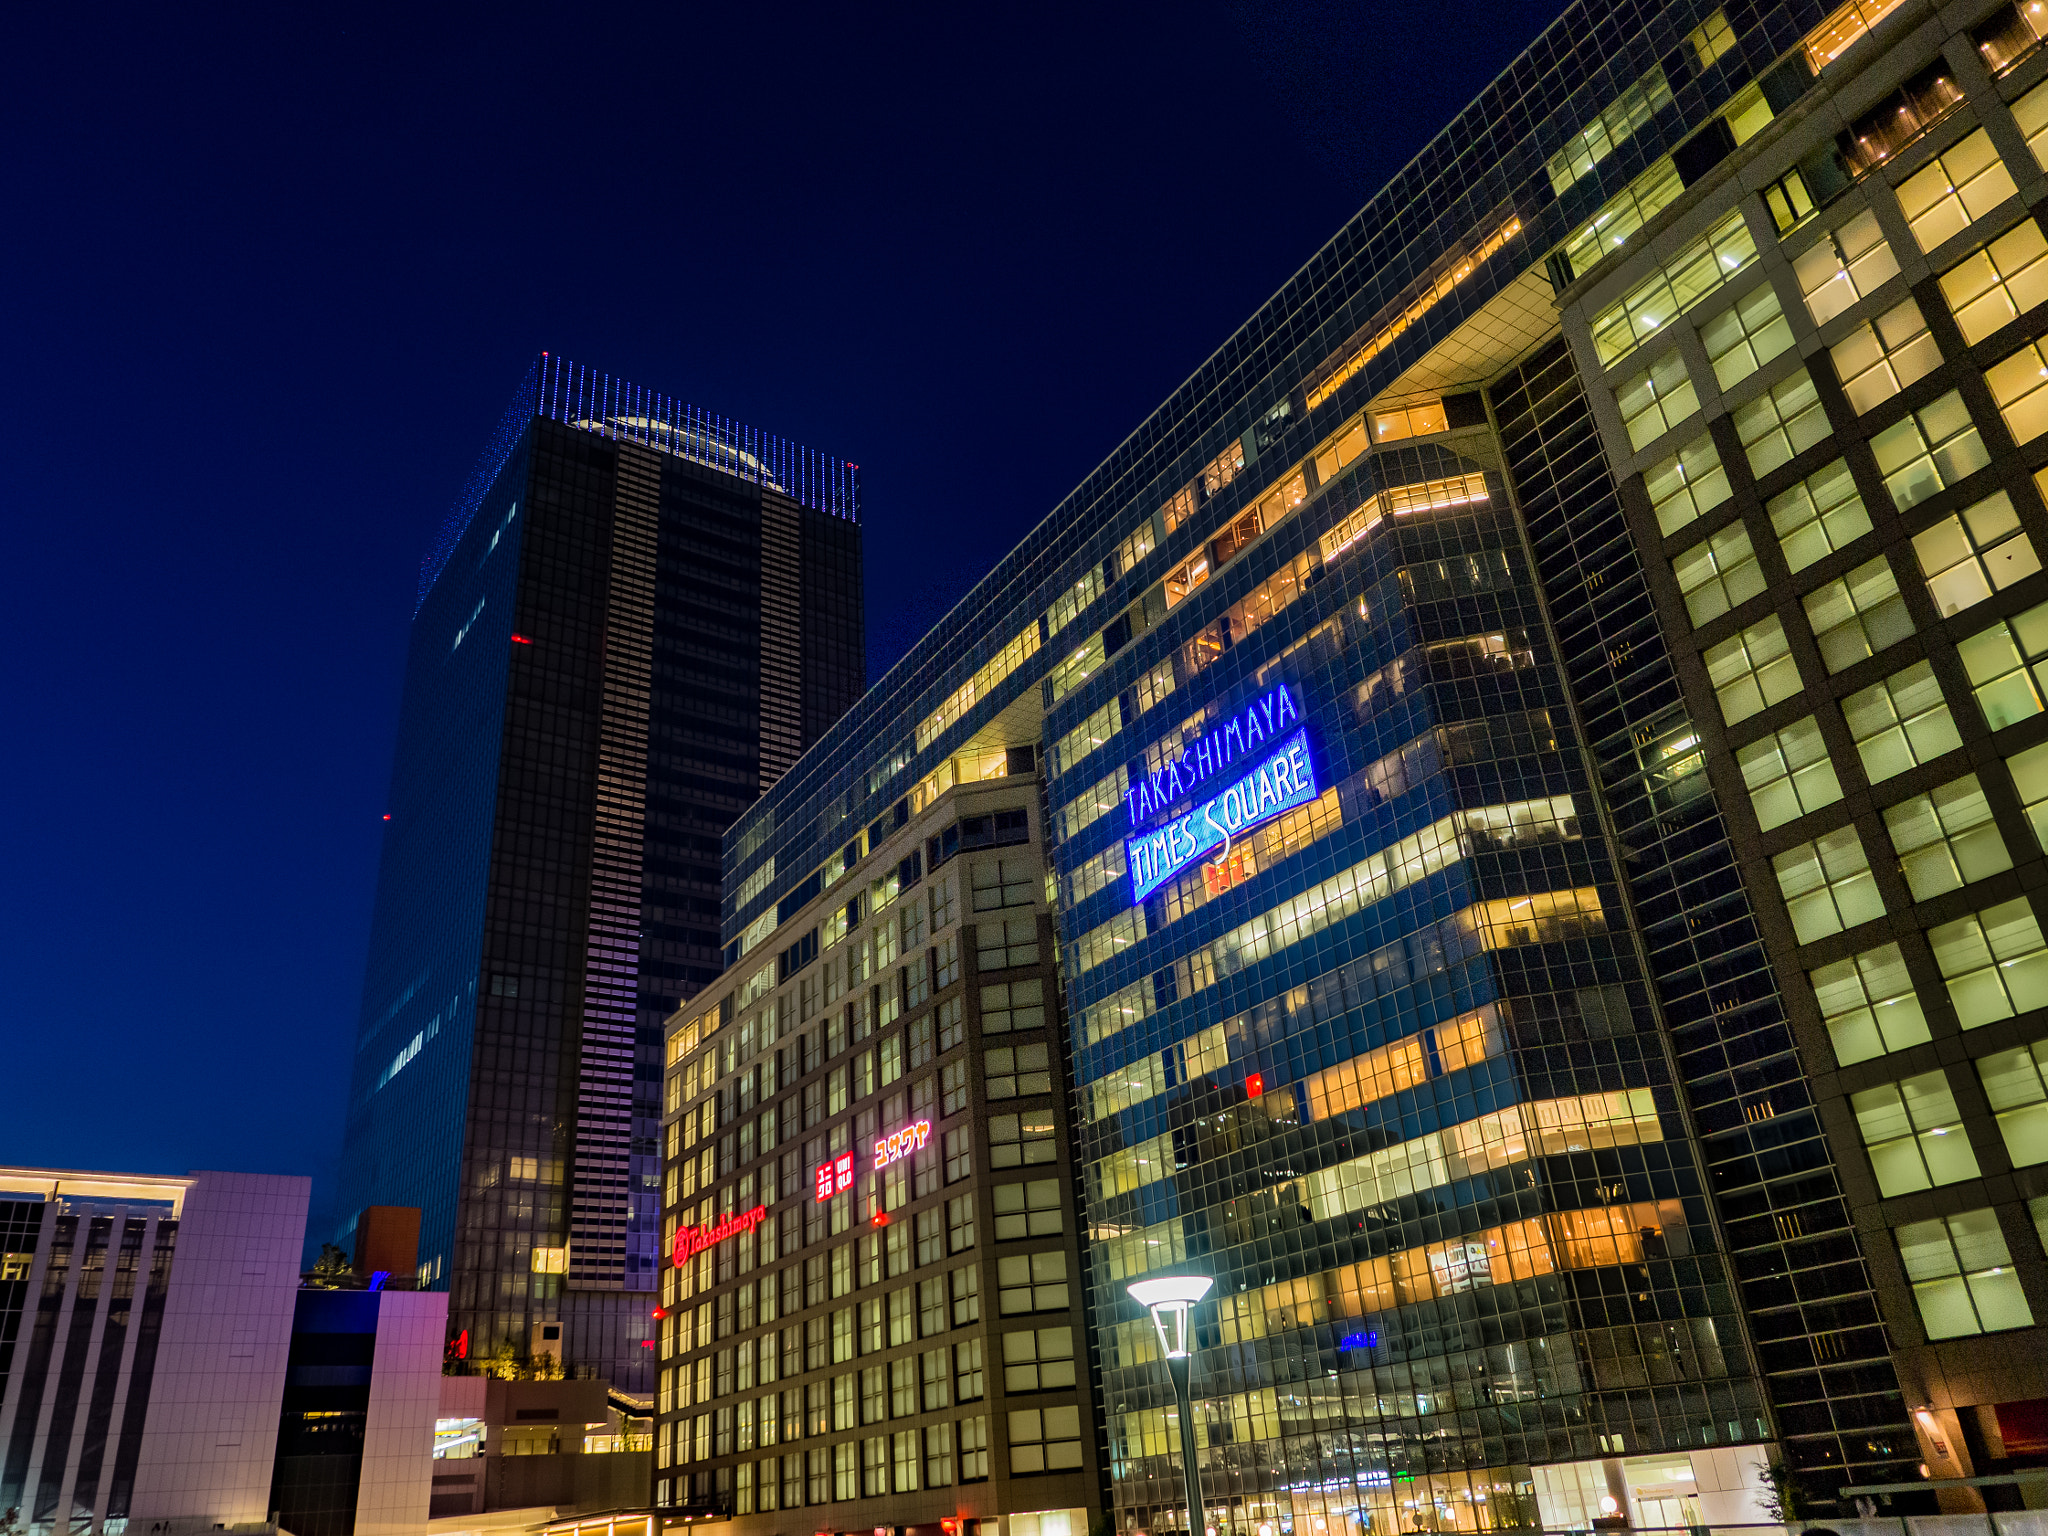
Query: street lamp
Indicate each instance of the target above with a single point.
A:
(1170, 1299)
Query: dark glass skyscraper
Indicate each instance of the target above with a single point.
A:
(637, 618)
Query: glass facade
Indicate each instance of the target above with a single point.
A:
(1539, 744)
(639, 617)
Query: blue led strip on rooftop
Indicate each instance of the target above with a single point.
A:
(596, 402)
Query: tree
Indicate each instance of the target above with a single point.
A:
(332, 1264)
(1782, 1499)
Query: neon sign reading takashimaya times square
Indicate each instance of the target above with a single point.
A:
(1272, 773)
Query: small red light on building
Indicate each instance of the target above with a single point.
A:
(881, 1218)
(521, 640)
(647, 1343)
(387, 815)
(1254, 1084)
(661, 1311)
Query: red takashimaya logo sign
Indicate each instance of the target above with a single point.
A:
(691, 1240)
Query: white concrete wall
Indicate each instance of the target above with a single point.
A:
(405, 1399)
(211, 1435)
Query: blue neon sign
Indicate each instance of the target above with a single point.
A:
(1281, 778)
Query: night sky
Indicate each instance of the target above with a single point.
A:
(272, 277)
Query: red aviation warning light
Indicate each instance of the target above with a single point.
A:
(1254, 1084)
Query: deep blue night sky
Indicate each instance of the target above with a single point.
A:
(272, 277)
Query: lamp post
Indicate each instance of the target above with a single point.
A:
(1170, 1299)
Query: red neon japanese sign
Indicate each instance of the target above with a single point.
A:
(901, 1143)
(835, 1177)
(691, 1240)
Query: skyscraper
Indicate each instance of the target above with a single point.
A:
(636, 619)
(1542, 738)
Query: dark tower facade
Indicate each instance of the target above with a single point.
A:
(638, 617)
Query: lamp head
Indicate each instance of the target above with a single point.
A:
(1170, 1298)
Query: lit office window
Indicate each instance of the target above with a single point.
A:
(1994, 961)
(1827, 885)
(1962, 1275)
(1868, 1004)
(1914, 1133)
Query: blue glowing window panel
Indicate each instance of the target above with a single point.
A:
(1277, 782)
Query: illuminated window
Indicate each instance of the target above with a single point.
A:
(978, 687)
(1044, 1440)
(1222, 469)
(1821, 514)
(2016, 1083)
(1181, 582)
(1038, 1360)
(550, 1261)
(1914, 1134)
(1882, 356)
(1133, 549)
(1868, 1005)
(1827, 885)
(2029, 770)
(1969, 555)
(1418, 418)
(1179, 508)
(1069, 605)
(1617, 123)
(1450, 272)
(1028, 1210)
(1688, 484)
(1946, 838)
(1929, 451)
(1710, 39)
(1781, 423)
(1753, 670)
(1402, 501)
(2020, 386)
(1622, 215)
(1962, 1275)
(1012, 1005)
(1788, 201)
(1746, 335)
(1344, 447)
(1086, 737)
(1842, 27)
(1858, 615)
(1900, 721)
(1656, 400)
(1788, 774)
(1698, 270)
(2031, 113)
(2006, 665)
(1998, 284)
(1014, 1071)
(1994, 961)
(1092, 874)
(1959, 187)
(1018, 1141)
(1845, 264)
(1718, 573)
(1083, 664)
(1035, 1282)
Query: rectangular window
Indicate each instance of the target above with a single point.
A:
(1094, 802)
(1034, 1282)
(1971, 554)
(2005, 667)
(1781, 423)
(1038, 1360)
(1698, 270)
(1718, 573)
(959, 1153)
(2016, 1083)
(1929, 451)
(1998, 284)
(874, 1466)
(960, 1223)
(1009, 942)
(1844, 265)
(1750, 672)
(1044, 1440)
(964, 1285)
(1821, 514)
(1012, 1005)
(1869, 1005)
(1746, 335)
(1069, 605)
(1788, 774)
(904, 1454)
(1914, 1133)
(1962, 1275)
(1656, 400)
(1955, 190)
(1087, 736)
(1687, 485)
(967, 1383)
(1083, 663)
(938, 1456)
(1885, 354)
(1858, 615)
(2019, 384)
(1827, 885)
(1946, 838)
(1018, 1141)
(1028, 1210)
(974, 1443)
(2029, 770)
(1900, 721)
(999, 883)
(979, 686)
(1994, 961)
(1012, 1071)
(953, 1087)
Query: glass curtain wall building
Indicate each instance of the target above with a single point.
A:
(637, 618)
(1541, 869)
